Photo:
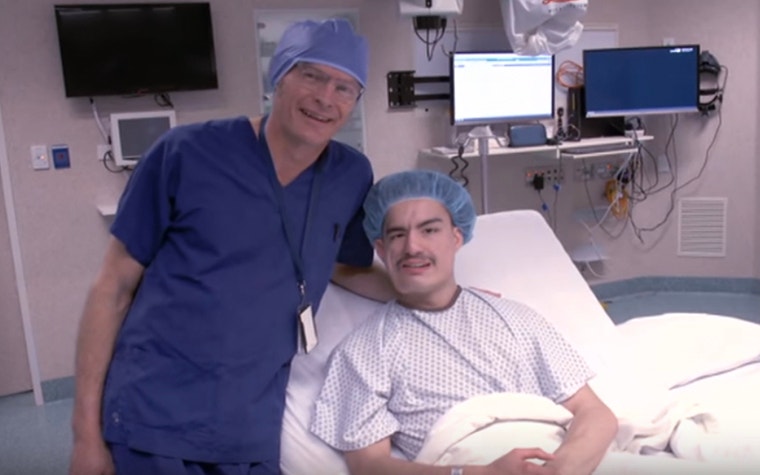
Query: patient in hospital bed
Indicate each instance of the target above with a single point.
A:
(439, 345)
(648, 371)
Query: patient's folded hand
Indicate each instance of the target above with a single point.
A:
(521, 462)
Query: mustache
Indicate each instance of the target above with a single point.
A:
(418, 255)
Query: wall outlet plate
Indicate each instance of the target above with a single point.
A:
(40, 158)
(551, 175)
(102, 150)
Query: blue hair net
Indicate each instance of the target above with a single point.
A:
(413, 184)
(331, 42)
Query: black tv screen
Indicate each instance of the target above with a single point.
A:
(641, 81)
(125, 49)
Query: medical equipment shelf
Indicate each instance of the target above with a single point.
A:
(566, 149)
(600, 147)
(107, 209)
(559, 151)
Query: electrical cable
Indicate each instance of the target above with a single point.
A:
(599, 221)
(108, 157)
(163, 99)
(636, 177)
(617, 197)
(711, 145)
(544, 206)
(638, 231)
(678, 187)
(597, 251)
(572, 133)
(674, 168)
(570, 69)
(456, 42)
(457, 173)
(556, 187)
(640, 168)
(106, 137)
(588, 193)
(431, 44)
(590, 268)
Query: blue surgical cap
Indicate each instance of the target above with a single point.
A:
(331, 42)
(416, 184)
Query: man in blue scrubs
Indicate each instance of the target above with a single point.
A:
(224, 242)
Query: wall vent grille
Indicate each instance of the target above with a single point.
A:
(702, 227)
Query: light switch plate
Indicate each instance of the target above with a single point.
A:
(40, 157)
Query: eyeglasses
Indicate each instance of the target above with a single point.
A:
(346, 92)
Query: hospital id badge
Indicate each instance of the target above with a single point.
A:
(308, 330)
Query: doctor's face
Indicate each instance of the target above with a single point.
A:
(313, 101)
(418, 248)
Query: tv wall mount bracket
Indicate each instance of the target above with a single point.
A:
(401, 93)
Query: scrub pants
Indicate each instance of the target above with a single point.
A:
(132, 462)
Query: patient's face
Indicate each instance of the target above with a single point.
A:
(418, 248)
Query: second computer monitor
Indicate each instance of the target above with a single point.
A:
(641, 80)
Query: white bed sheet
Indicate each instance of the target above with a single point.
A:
(731, 434)
(677, 348)
(740, 383)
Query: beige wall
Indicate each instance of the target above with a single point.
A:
(63, 236)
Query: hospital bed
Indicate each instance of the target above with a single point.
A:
(692, 375)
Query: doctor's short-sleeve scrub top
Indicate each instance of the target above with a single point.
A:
(202, 359)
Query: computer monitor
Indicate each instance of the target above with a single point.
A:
(641, 81)
(499, 86)
(133, 133)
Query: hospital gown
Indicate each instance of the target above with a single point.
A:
(403, 369)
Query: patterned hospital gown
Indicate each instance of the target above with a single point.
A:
(402, 370)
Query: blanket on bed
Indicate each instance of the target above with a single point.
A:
(483, 428)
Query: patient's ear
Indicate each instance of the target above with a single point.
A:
(380, 249)
(458, 237)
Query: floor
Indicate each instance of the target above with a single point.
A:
(34, 440)
(37, 440)
(744, 306)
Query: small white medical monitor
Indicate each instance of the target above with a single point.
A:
(133, 133)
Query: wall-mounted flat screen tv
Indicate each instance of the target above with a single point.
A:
(136, 48)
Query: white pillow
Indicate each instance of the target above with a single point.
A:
(674, 349)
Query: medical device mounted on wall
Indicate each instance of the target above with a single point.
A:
(133, 133)
(412, 8)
